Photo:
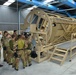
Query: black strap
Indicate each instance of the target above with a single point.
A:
(19, 49)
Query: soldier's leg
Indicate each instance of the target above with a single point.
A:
(13, 62)
(17, 57)
(4, 55)
(17, 64)
(29, 57)
(23, 59)
(29, 60)
(26, 58)
(7, 56)
(13, 59)
(10, 54)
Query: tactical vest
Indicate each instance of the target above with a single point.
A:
(21, 43)
(6, 42)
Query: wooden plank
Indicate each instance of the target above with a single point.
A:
(56, 59)
(64, 58)
(73, 54)
(60, 50)
(59, 54)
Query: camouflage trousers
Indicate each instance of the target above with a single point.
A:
(28, 57)
(21, 55)
(4, 54)
(9, 55)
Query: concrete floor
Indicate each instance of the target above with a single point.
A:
(44, 68)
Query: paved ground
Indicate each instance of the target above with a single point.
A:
(44, 68)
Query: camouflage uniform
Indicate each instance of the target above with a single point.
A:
(8, 51)
(21, 54)
(28, 57)
(28, 51)
(14, 58)
(5, 47)
(11, 58)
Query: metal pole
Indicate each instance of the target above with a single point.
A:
(8, 23)
(18, 17)
(19, 21)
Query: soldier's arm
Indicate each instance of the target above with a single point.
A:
(26, 45)
(30, 39)
(15, 46)
(2, 41)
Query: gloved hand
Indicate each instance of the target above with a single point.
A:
(4, 48)
(15, 55)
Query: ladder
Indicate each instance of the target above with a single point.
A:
(59, 55)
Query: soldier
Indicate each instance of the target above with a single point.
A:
(8, 51)
(4, 43)
(15, 33)
(28, 41)
(12, 50)
(20, 52)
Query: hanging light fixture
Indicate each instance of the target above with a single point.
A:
(47, 1)
(9, 2)
(32, 7)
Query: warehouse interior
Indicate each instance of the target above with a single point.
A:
(60, 15)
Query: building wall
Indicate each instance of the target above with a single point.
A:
(9, 19)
